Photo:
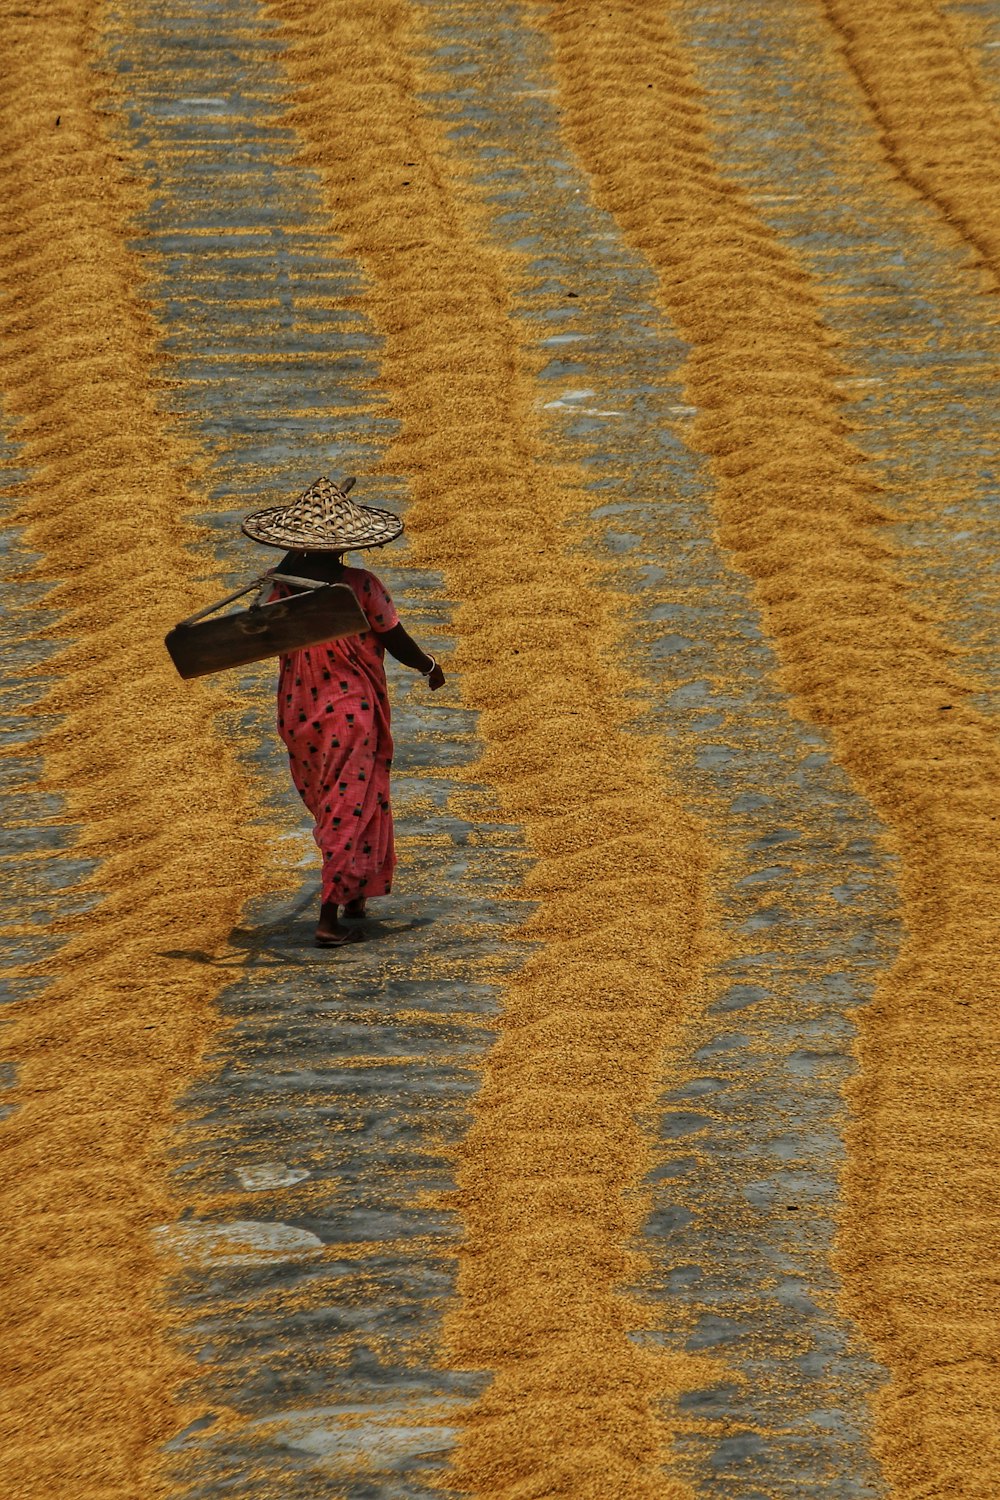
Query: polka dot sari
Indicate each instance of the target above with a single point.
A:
(333, 715)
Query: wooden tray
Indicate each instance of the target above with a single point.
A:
(307, 619)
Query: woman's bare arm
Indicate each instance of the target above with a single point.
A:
(400, 644)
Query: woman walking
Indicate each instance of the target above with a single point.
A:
(333, 703)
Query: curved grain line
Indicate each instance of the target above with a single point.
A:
(105, 1050)
(798, 510)
(934, 117)
(549, 1173)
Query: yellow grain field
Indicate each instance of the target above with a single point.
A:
(554, 1141)
(90, 1383)
(918, 1219)
(572, 1338)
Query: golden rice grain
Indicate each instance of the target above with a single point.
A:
(550, 1170)
(935, 119)
(802, 516)
(106, 1048)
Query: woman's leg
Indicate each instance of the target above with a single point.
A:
(329, 933)
(334, 764)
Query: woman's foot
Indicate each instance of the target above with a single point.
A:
(329, 933)
(356, 908)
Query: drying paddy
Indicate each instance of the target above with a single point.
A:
(646, 1150)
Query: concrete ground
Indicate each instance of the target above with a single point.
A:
(313, 1237)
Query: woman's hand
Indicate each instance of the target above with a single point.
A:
(404, 648)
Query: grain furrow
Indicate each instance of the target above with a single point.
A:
(105, 1049)
(871, 668)
(572, 1410)
(936, 120)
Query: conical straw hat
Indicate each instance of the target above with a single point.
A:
(323, 520)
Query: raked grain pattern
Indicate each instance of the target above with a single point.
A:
(931, 107)
(746, 1193)
(317, 1141)
(550, 1184)
(102, 1050)
(550, 1171)
(802, 514)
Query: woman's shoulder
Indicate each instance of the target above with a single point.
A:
(363, 578)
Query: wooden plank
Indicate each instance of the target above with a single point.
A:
(325, 614)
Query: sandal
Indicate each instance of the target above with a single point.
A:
(335, 939)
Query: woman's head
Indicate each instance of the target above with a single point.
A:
(303, 557)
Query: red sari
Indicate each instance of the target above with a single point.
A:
(333, 715)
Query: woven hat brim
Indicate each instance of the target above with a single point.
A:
(273, 528)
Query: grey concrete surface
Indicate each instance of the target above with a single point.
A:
(745, 1200)
(315, 1156)
(34, 821)
(314, 1287)
(915, 323)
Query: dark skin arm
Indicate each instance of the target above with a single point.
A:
(401, 645)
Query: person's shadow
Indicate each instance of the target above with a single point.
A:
(288, 940)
